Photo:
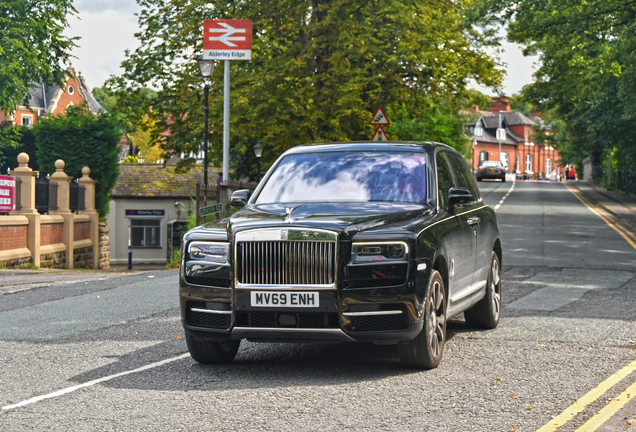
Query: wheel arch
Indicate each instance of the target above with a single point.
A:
(498, 251)
(442, 267)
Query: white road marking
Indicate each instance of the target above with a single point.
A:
(505, 196)
(92, 383)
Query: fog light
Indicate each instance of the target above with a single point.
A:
(287, 320)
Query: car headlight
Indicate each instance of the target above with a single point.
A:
(210, 252)
(378, 252)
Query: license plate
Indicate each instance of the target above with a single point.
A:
(492, 171)
(303, 299)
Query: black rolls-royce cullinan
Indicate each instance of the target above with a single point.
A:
(346, 242)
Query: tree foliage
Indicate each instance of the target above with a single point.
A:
(13, 141)
(587, 74)
(81, 138)
(33, 46)
(319, 70)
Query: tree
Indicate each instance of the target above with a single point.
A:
(13, 141)
(33, 47)
(81, 138)
(587, 77)
(319, 68)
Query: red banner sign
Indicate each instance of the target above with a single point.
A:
(7, 194)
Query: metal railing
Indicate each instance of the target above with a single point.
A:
(45, 195)
(77, 199)
(626, 181)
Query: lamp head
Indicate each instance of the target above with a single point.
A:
(205, 67)
(258, 150)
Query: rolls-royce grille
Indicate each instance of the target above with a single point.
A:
(286, 262)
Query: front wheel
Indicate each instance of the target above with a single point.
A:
(207, 352)
(486, 313)
(425, 351)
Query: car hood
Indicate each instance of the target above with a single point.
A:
(344, 218)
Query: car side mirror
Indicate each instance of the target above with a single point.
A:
(240, 197)
(458, 196)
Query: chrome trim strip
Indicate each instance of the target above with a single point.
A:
(293, 233)
(468, 291)
(211, 311)
(329, 287)
(445, 219)
(243, 332)
(470, 211)
(371, 313)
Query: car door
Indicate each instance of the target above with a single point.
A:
(473, 214)
(461, 238)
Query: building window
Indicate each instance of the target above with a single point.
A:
(145, 233)
(27, 120)
(505, 160)
(71, 89)
(479, 131)
(483, 156)
(548, 166)
(529, 163)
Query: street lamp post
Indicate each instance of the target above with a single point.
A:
(205, 67)
(258, 151)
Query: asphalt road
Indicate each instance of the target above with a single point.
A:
(569, 304)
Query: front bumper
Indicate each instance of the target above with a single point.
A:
(359, 315)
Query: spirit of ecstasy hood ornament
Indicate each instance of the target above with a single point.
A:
(288, 211)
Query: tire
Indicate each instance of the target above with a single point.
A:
(426, 350)
(478, 178)
(212, 352)
(487, 312)
(503, 179)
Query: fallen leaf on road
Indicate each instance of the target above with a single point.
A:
(630, 422)
(541, 345)
(178, 337)
(124, 274)
(498, 378)
(514, 397)
(512, 428)
(530, 408)
(97, 296)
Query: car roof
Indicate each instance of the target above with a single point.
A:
(399, 146)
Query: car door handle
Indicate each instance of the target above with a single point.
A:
(473, 220)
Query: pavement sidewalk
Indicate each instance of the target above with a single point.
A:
(622, 207)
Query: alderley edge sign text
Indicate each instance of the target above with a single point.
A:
(7, 194)
(227, 39)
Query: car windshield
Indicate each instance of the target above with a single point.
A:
(347, 176)
(491, 164)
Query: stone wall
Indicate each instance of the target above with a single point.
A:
(83, 258)
(104, 247)
(55, 260)
(19, 263)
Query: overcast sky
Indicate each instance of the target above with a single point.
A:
(107, 28)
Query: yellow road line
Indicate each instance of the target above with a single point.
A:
(624, 233)
(587, 399)
(609, 410)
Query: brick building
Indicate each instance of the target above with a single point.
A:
(518, 150)
(54, 100)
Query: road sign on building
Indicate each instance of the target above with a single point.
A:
(227, 39)
(7, 193)
(380, 118)
(380, 135)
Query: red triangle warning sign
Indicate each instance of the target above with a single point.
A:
(379, 118)
(380, 135)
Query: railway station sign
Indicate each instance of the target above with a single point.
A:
(227, 39)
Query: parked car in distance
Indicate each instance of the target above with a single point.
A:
(346, 242)
(491, 170)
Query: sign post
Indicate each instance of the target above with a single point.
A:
(227, 40)
(7, 193)
(380, 119)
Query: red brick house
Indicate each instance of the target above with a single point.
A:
(54, 99)
(518, 150)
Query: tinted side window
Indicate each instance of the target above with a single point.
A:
(463, 175)
(444, 180)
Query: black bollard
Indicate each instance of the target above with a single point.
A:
(129, 260)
